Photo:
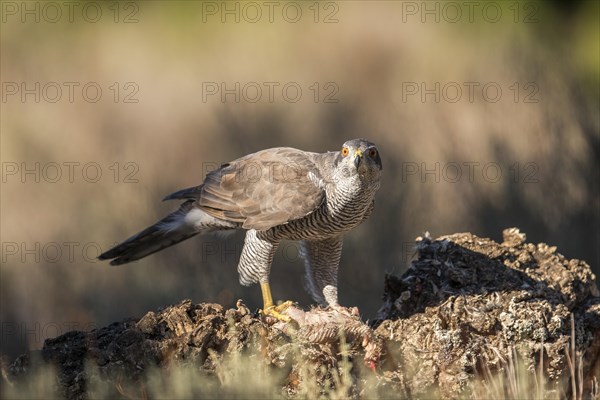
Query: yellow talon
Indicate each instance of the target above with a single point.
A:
(270, 309)
(276, 312)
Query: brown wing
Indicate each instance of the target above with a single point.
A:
(264, 189)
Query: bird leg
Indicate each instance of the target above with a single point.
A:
(269, 308)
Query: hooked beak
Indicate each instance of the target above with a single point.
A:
(358, 155)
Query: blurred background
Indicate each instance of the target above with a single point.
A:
(486, 115)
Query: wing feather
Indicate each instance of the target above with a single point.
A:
(264, 189)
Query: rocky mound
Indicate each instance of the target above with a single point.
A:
(469, 317)
(469, 307)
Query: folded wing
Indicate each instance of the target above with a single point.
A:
(261, 190)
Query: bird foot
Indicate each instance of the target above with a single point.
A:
(350, 311)
(277, 312)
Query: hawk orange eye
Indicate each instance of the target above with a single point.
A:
(372, 153)
(345, 151)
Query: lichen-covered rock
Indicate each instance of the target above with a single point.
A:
(466, 302)
(199, 336)
(468, 309)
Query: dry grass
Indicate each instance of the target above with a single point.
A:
(239, 376)
(244, 378)
(513, 380)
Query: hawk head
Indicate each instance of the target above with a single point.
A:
(359, 157)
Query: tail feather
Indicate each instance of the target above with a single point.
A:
(165, 233)
(184, 194)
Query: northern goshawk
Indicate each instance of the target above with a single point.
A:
(276, 194)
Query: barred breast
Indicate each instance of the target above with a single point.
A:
(342, 211)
